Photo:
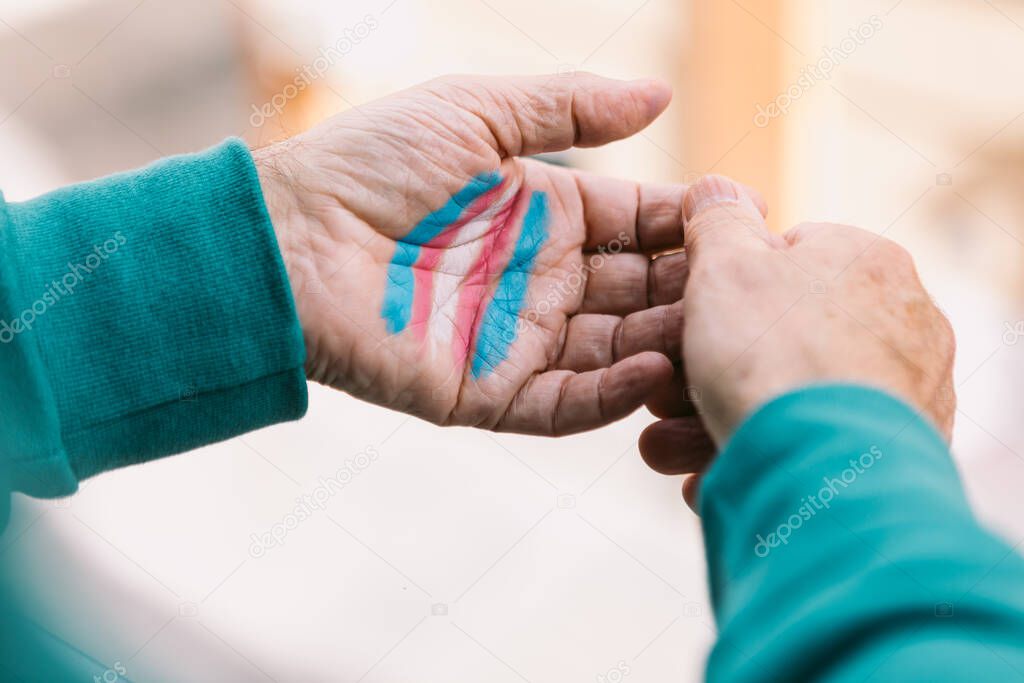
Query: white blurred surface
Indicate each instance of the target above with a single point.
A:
(450, 558)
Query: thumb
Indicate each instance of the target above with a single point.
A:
(533, 114)
(721, 214)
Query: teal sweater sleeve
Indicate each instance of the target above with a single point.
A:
(142, 314)
(841, 548)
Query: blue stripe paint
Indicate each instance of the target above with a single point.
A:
(499, 326)
(398, 292)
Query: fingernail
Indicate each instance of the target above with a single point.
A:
(710, 191)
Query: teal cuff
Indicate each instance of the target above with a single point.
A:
(837, 532)
(141, 315)
(784, 426)
(797, 445)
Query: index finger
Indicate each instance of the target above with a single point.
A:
(637, 217)
(721, 214)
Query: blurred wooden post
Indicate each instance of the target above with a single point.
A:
(734, 61)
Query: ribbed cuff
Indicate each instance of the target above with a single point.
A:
(153, 315)
(830, 451)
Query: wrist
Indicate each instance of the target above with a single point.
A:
(815, 430)
(289, 223)
(275, 182)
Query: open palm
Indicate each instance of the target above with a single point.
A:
(438, 273)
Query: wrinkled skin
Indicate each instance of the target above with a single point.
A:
(342, 195)
(766, 314)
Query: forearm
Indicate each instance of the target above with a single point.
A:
(840, 545)
(142, 314)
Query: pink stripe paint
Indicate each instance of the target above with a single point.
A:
(430, 256)
(496, 251)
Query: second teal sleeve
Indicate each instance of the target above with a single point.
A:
(841, 547)
(141, 315)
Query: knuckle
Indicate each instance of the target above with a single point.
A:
(885, 261)
(858, 236)
(894, 253)
(702, 224)
(720, 220)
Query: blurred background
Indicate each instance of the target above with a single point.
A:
(466, 556)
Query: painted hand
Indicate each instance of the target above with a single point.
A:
(437, 273)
